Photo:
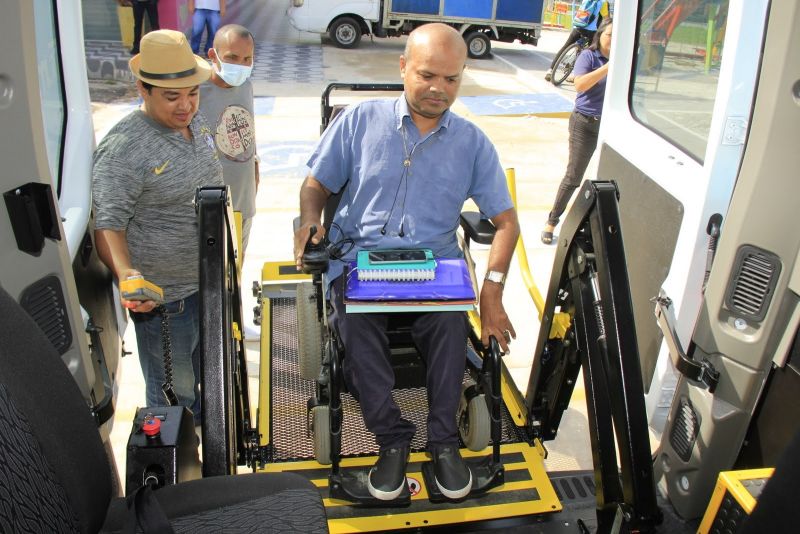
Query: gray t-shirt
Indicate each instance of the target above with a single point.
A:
(229, 111)
(144, 181)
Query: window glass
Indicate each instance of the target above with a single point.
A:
(50, 86)
(677, 69)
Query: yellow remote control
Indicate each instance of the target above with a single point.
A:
(137, 288)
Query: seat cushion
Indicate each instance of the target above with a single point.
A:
(32, 497)
(60, 433)
(260, 502)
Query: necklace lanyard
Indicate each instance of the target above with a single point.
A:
(410, 154)
(403, 180)
(407, 160)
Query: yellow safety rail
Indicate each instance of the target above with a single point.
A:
(561, 320)
(265, 378)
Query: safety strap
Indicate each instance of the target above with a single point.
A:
(145, 512)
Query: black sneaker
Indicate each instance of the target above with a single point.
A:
(388, 476)
(453, 477)
(548, 76)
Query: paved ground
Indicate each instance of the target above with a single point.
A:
(291, 71)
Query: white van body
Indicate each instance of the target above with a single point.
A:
(315, 16)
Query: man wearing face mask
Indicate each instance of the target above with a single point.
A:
(226, 100)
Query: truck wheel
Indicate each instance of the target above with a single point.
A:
(346, 32)
(309, 332)
(478, 45)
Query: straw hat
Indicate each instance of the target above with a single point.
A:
(166, 60)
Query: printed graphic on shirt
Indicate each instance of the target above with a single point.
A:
(235, 134)
(159, 170)
(205, 131)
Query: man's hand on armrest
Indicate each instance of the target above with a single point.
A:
(494, 320)
(312, 200)
(301, 238)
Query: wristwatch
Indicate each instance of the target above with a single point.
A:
(496, 277)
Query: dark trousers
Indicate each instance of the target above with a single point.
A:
(442, 340)
(573, 37)
(139, 8)
(582, 142)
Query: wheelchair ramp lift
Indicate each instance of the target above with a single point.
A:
(290, 445)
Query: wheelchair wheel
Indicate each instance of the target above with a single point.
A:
(474, 424)
(309, 332)
(321, 426)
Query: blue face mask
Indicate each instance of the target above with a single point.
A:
(232, 73)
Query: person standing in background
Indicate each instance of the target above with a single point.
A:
(587, 17)
(226, 100)
(591, 69)
(139, 8)
(206, 15)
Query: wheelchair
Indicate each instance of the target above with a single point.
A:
(320, 357)
(310, 424)
(321, 353)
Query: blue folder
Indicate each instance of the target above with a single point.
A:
(452, 283)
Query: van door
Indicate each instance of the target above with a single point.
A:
(48, 262)
(678, 103)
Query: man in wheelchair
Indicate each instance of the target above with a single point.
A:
(405, 167)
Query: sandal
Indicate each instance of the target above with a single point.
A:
(547, 237)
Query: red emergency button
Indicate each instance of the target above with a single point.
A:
(151, 426)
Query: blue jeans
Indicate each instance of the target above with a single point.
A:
(201, 20)
(184, 328)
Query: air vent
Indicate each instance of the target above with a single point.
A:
(44, 302)
(755, 274)
(684, 429)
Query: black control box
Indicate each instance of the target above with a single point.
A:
(162, 448)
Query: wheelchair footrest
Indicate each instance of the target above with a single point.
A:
(351, 485)
(485, 476)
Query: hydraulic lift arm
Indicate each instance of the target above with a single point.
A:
(589, 281)
(229, 438)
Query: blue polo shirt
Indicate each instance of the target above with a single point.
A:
(402, 190)
(590, 102)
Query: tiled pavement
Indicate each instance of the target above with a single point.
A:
(274, 62)
(107, 60)
(279, 63)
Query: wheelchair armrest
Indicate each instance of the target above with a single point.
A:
(477, 229)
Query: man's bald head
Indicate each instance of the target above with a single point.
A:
(435, 36)
(231, 31)
(432, 68)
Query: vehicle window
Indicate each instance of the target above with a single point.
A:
(50, 83)
(676, 69)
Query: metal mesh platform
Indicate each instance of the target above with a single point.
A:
(291, 439)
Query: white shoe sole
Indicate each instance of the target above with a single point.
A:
(455, 494)
(387, 495)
